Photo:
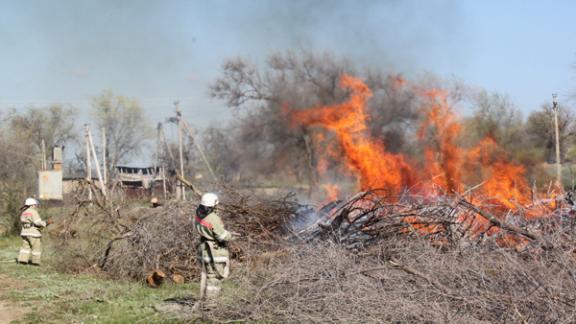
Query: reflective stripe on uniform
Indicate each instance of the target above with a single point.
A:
(218, 259)
(203, 222)
(212, 288)
(25, 251)
(36, 253)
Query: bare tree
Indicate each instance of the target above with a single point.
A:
(263, 131)
(263, 134)
(540, 130)
(21, 136)
(220, 150)
(393, 110)
(495, 116)
(125, 125)
(54, 125)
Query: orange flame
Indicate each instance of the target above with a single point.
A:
(374, 166)
(447, 165)
(503, 181)
(442, 155)
(332, 191)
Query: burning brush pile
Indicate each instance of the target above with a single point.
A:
(369, 258)
(451, 192)
(449, 221)
(458, 236)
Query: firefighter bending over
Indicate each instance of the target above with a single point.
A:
(31, 235)
(213, 252)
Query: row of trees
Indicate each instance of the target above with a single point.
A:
(26, 134)
(260, 145)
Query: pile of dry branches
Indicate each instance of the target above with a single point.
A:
(160, 239)
(369, 217)
(130, 241)
(407, 280)
(414, 259)
(367, 259)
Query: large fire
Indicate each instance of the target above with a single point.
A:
(445, 167)
(443, 157)
(365, 157)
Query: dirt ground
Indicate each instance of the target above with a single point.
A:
(9, 312)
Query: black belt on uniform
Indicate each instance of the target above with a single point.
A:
(218, 243)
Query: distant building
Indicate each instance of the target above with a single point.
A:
(138, 177)
(135, 181)
(50, 182)
(140, 181)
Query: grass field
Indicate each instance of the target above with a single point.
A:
(42, 295)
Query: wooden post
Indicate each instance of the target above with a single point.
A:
(182, 191)
(200, 151)
(557, 131)
(93, 150)
(44, 164)
(164, 182)
(167, 146)
(156, 166)
(104, 164)
(158, 145)
(88, 161)
(171, 155)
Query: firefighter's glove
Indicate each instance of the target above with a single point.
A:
(49, 221)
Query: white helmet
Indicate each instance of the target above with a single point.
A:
(31, 202)
(209, 200)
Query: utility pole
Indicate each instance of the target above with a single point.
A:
(164, 182)
(104, 164)
(181, 187)
(558, 162)
(93, 150)
(200, 150)
(44, 164)
(157, 163)
(88, 162)
(158, 146)
(167, 146)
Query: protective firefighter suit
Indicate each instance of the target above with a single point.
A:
(31, 234)
(213, 252)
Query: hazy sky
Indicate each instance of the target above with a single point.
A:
(157, 51)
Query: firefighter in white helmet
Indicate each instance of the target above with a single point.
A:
(31, 250)
(213, 252)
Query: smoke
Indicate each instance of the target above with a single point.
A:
(383, 33)
(149, 47)
(68, 51)
(84, 47)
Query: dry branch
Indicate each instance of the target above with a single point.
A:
(498, 222)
